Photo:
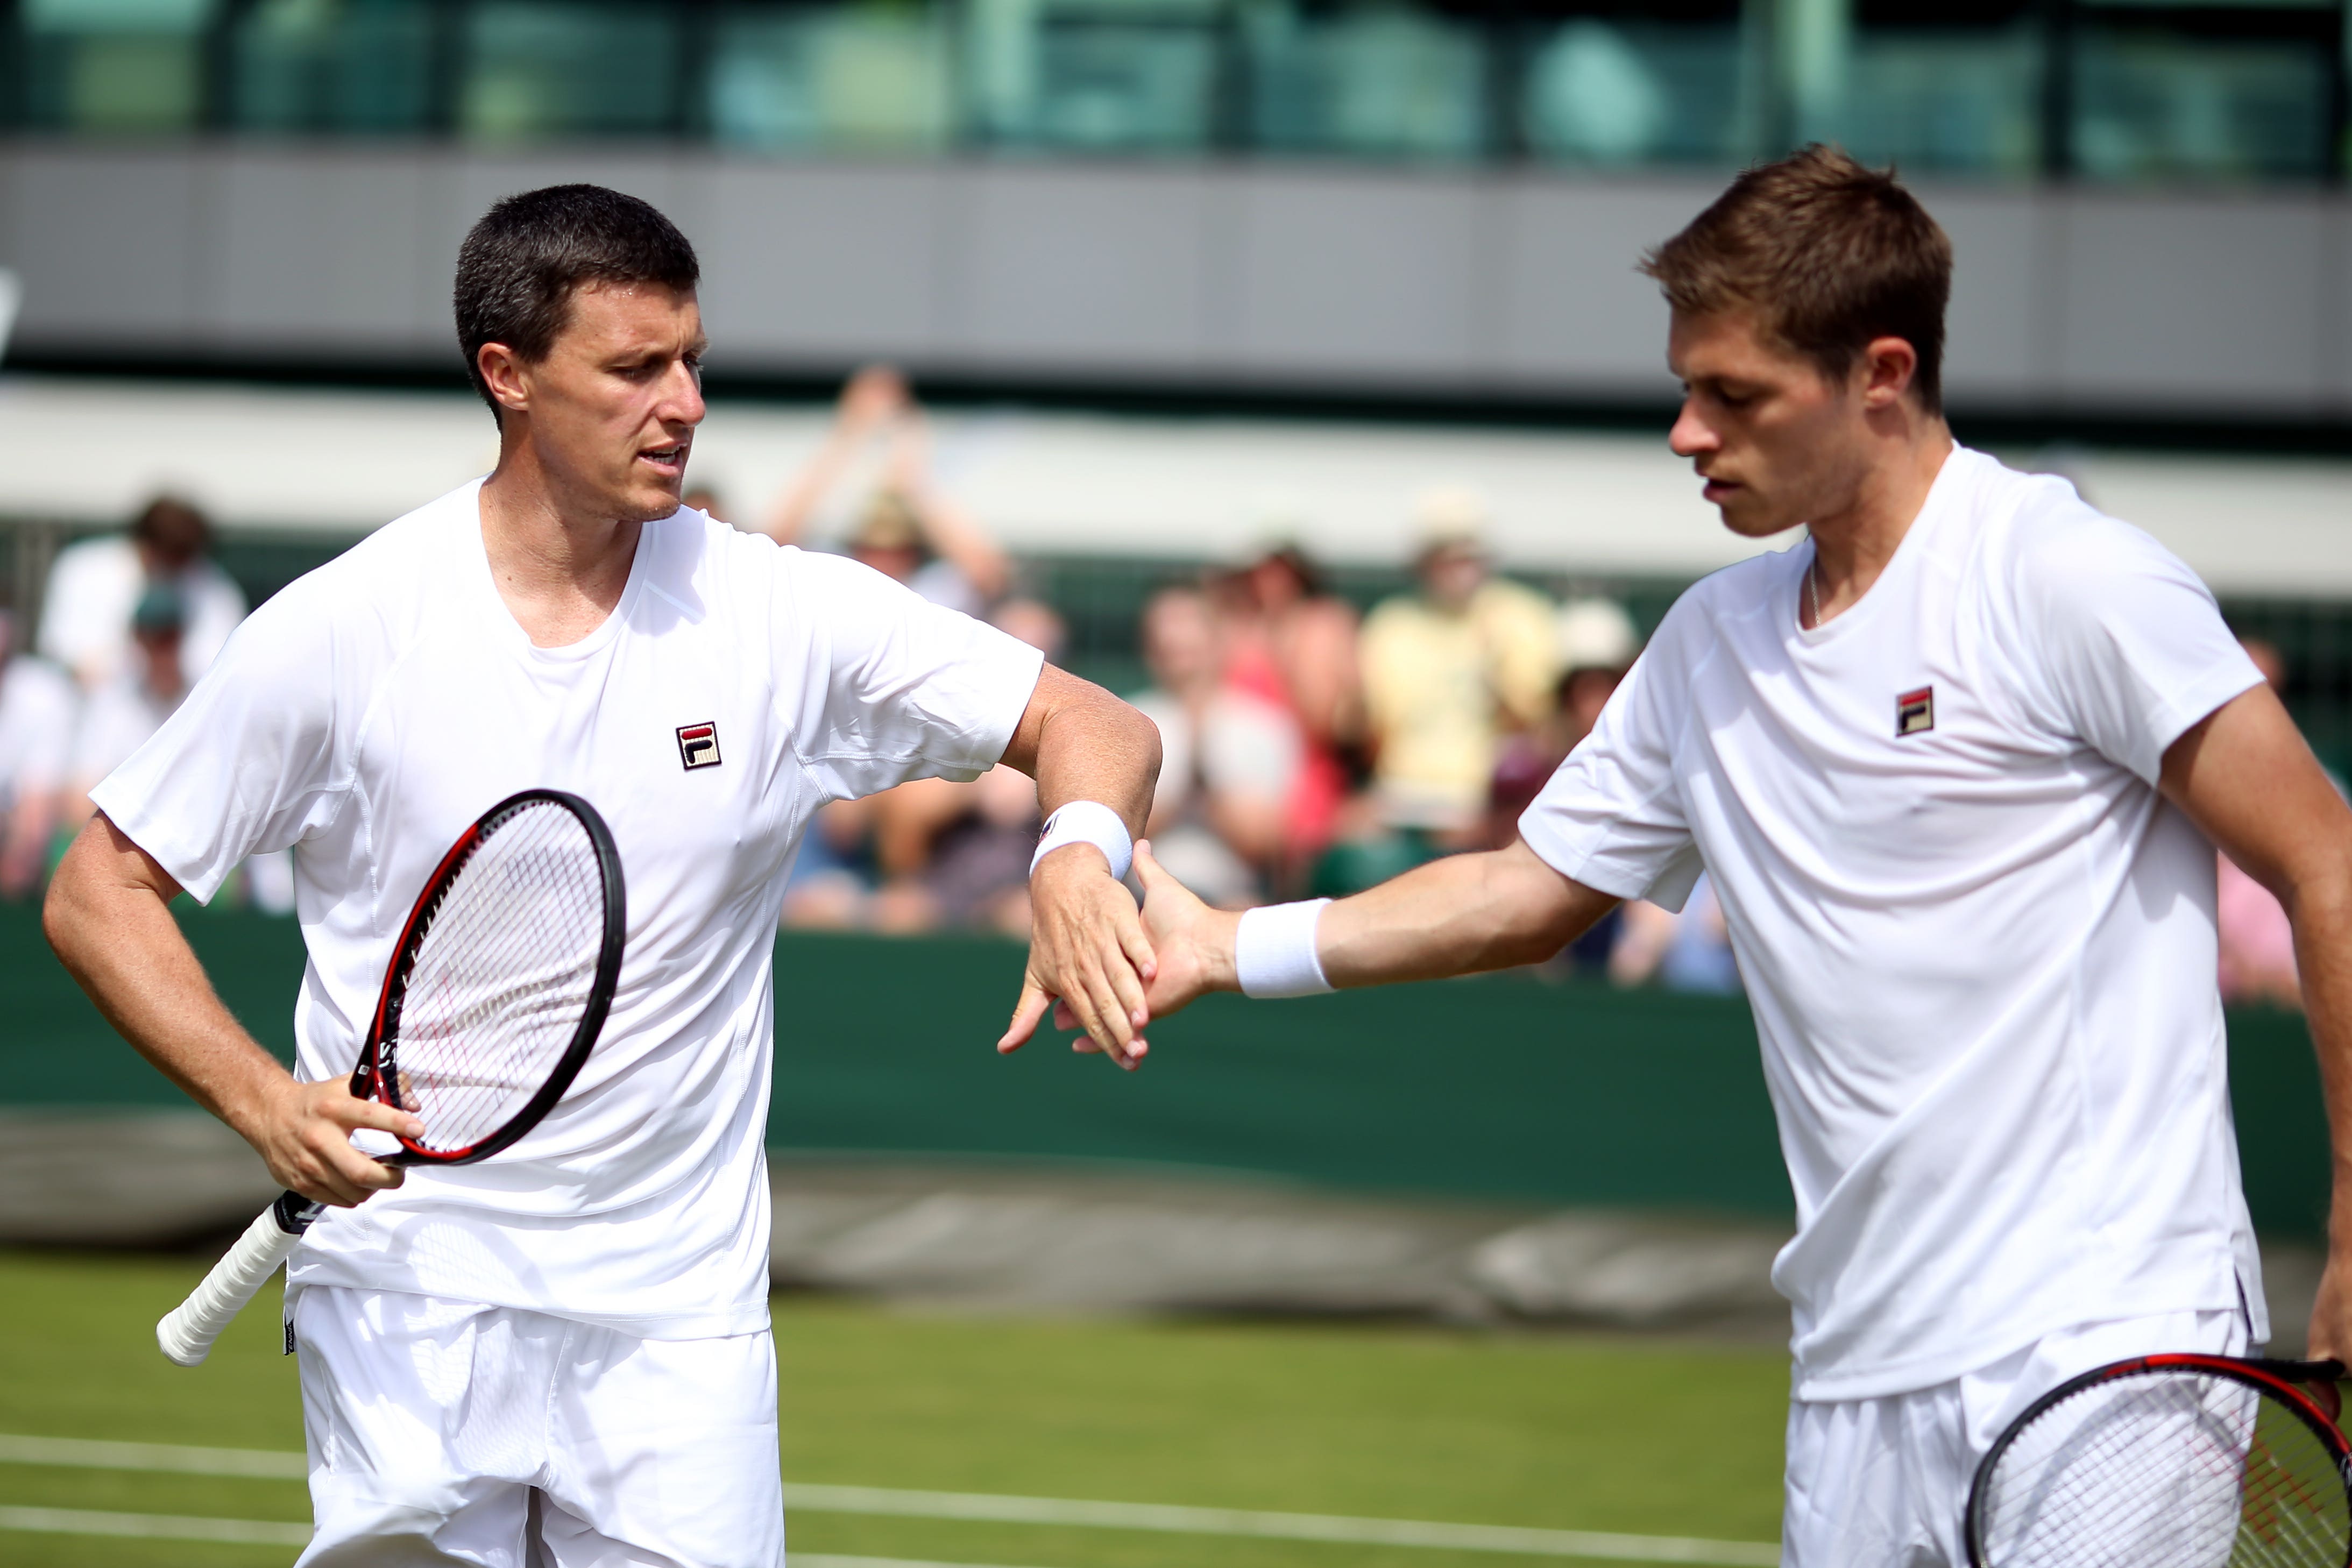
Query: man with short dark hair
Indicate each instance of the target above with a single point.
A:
(562, 1354)
(1945, 763)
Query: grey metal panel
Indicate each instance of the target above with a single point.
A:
(105, 241)
(2180, 300)
(317, 253)
(2335, 314)
(1572, 313)
(1998, 347)
(1103, 268)
(819, 264)
(1344, 277)
(1323, 278)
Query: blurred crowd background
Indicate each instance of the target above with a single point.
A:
(1316, 741)
(1233, 217)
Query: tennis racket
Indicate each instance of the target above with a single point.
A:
(2169, 1461)
(496, 993)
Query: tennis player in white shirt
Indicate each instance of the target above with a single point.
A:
(561, 1355)
(1952, 764)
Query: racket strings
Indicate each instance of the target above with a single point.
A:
(2179, 1467)
(502, 977)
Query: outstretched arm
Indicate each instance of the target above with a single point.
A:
(954, 533)
(109, 919)
(870, 398)
(1459, 915)
(2245, 776)
(1087, 949)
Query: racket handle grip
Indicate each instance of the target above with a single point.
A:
(187, 1332)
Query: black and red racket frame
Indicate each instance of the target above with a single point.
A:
(379, 1066)
(2283, 1380)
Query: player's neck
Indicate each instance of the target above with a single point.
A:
(561, 568)
(1853, 546)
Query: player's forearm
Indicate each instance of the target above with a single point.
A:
(1088, 745)
(1461, 915)
(111, 925)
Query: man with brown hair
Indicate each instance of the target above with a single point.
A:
(1952, 764)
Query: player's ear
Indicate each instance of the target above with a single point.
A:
(1888, 365)
(504, 372)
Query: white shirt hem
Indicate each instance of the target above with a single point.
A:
(1910, 1375)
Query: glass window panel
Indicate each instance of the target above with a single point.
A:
(333, 64)
(1377, 80)
(1622, 91)
(186, 17)
(1109, 75)
(2155, 101)
(865, 75)
(539, 69)
(115, 66)
(1947, 99)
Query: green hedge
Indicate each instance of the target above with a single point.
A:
(1503, 1088)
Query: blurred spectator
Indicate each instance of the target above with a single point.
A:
(1291, 644)
(1448, 672)
(133, 705)
(906, 527)
(2257, 941)
(829, 887)
(1595, 643)
(1686, 952)
(95, 585)
(38, 702)
(1229, 758)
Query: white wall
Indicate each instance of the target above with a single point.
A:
(282, 459)
(1212, 275)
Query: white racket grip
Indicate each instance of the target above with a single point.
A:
(187, 1332)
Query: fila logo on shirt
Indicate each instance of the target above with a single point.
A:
(1915, 713)
(697, 745)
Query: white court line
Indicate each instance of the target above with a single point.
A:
(996, 1509)
(999, 1509)
(155, 1526)
(76, 1453)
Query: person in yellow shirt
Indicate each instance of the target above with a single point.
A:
(1449, 671)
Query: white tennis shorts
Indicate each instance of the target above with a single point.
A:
(1883, 1483)
(448, 1432)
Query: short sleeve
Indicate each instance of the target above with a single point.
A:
(2129, 650)
(246, 764)
(1612, 816)
(890, 687)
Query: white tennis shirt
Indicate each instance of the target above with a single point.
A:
(1979, 945)
(373, 709)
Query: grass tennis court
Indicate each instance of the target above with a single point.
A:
(1647, 1437)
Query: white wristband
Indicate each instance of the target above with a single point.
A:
(1274, 950)
(1087, 822)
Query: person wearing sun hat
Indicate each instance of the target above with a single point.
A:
(1452, 669)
